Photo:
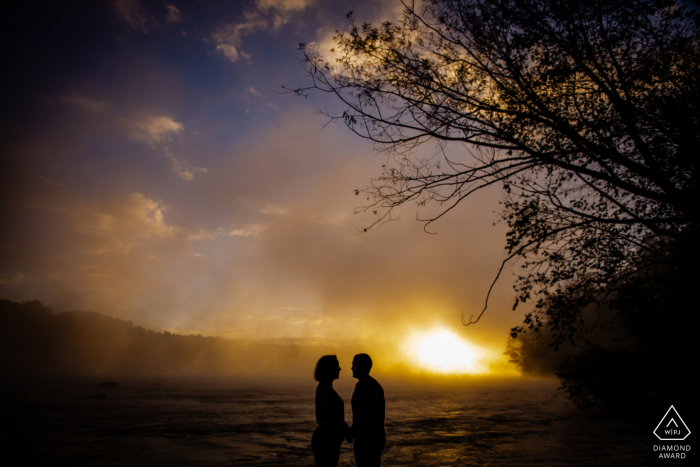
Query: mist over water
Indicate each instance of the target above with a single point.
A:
(191, 400)
(206, 423)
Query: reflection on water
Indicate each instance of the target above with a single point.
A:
(141, 424)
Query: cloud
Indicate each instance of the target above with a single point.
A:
(173, 14)
(120, 225)
(182, 168)
(155, 131)
(152, 130)
(247, 231)
(229, 37)
(284, 5)
(316, 320)
(254, 92)
(18, 278)
(228, 50)
(99, 227)
(139, 18)
(133, 14)
(100, 272)
(272, 209)
(116, 254)
(268, 15)
(204, 234)
(84, 103)
(281, 9)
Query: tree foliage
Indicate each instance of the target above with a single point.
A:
(646, 364)
(585, 112)
(632, 358)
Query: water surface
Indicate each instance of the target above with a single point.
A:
(515, 424)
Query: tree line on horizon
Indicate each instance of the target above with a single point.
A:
(34, 341)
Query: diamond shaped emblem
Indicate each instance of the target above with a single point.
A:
(671, 427)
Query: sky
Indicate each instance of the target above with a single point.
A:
(155, 170)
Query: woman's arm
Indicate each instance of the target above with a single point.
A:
(334, 408)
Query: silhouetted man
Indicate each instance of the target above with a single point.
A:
(367, 414)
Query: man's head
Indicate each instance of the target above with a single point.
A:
(361, 365)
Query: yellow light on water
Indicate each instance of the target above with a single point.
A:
(442, 351)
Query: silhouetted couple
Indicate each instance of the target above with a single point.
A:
(367, 429)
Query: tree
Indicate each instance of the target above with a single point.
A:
(585, 112)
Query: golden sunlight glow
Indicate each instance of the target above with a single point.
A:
(442, 351)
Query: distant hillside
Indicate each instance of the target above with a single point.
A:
(35, 341)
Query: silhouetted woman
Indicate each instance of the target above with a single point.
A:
(330, 414)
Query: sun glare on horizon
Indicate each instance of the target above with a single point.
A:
(442, 351)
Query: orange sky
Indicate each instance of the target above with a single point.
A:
(153, 171)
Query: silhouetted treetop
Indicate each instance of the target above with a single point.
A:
(585, 112)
